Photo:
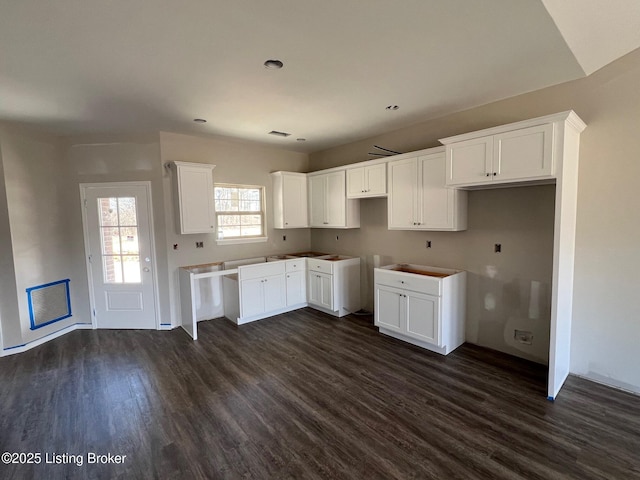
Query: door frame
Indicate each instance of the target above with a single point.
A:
(152, 244)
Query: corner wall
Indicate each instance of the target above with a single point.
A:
(606, 307)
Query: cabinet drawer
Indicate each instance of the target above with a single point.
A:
(295, 265)
(416, 283)
(261, 270)
(322, 266)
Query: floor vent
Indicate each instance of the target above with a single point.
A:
(49, 303)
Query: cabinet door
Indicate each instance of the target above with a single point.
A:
(295, 201)
(196, 211)
(251, 297)
(376, 180)
(524, 153)
(320, 288)
(403, 192)
(423, 317)
(437, 202)
(356, 182)
(296, 288)
(470, 162)
(317, 196)
(274, 292)
(389, 308)
(335, 202)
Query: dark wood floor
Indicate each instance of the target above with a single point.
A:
(304, 395)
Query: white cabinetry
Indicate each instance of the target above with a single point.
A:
(296, 282)
(193, 198)
(421, 305)
(524, 154)
(289, 200)
(418, 197)
(257, 291)
(328, 203)
(367, 181)
(333, 284)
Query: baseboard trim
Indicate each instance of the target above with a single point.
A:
(34, 343)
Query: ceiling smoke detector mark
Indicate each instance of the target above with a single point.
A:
(199, 120)
(392, 107)
(279, 134)
(273, 64)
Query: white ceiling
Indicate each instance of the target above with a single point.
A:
(89, 66)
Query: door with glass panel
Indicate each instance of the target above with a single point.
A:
(117, 224)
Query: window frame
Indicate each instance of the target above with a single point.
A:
(263, 215)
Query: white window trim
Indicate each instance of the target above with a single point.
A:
(241, 240)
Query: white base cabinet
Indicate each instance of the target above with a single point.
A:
(265, 289)
(421, 305)
(333, 284)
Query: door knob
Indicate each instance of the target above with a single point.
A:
(146, 269)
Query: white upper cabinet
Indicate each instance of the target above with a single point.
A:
(290, 200)
(193, 195)
(519, 155)
(367, 181)
(418, 197)
(328, 203)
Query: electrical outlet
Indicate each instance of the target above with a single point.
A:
(497, 247)
(523, 336)
(199, 244)
(428, 243)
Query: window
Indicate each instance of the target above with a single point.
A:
(239, 213)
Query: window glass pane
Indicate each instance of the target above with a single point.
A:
(251, 220)
(108, 211)
(112, 267)
(127, 211)
(110, 239)
(247, 202)
(131, 268)
(129, 240)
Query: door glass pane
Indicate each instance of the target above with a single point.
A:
(108, 211)
(129, 240)
(131, 268)
(119, 239)
(127, 211)
(112, 266)
(110, 239)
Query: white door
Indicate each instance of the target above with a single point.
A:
(252, 297)
(295, 200)
(355, 182)
(118, 225)
(389, 307)
(296, 291)
(470, 161)
(403, 191)
(335, 199)
(423, 317)
(376, 179)
(436, 201)
(524, 153)
(317, 198)
(274, 293)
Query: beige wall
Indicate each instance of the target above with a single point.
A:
(606, 304)
(40, 238)
(115, 158)
(236, 162)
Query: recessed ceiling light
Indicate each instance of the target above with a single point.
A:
(199, 120)
(393, 107)
(279, 134)
(273, 64)
(301, 139)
